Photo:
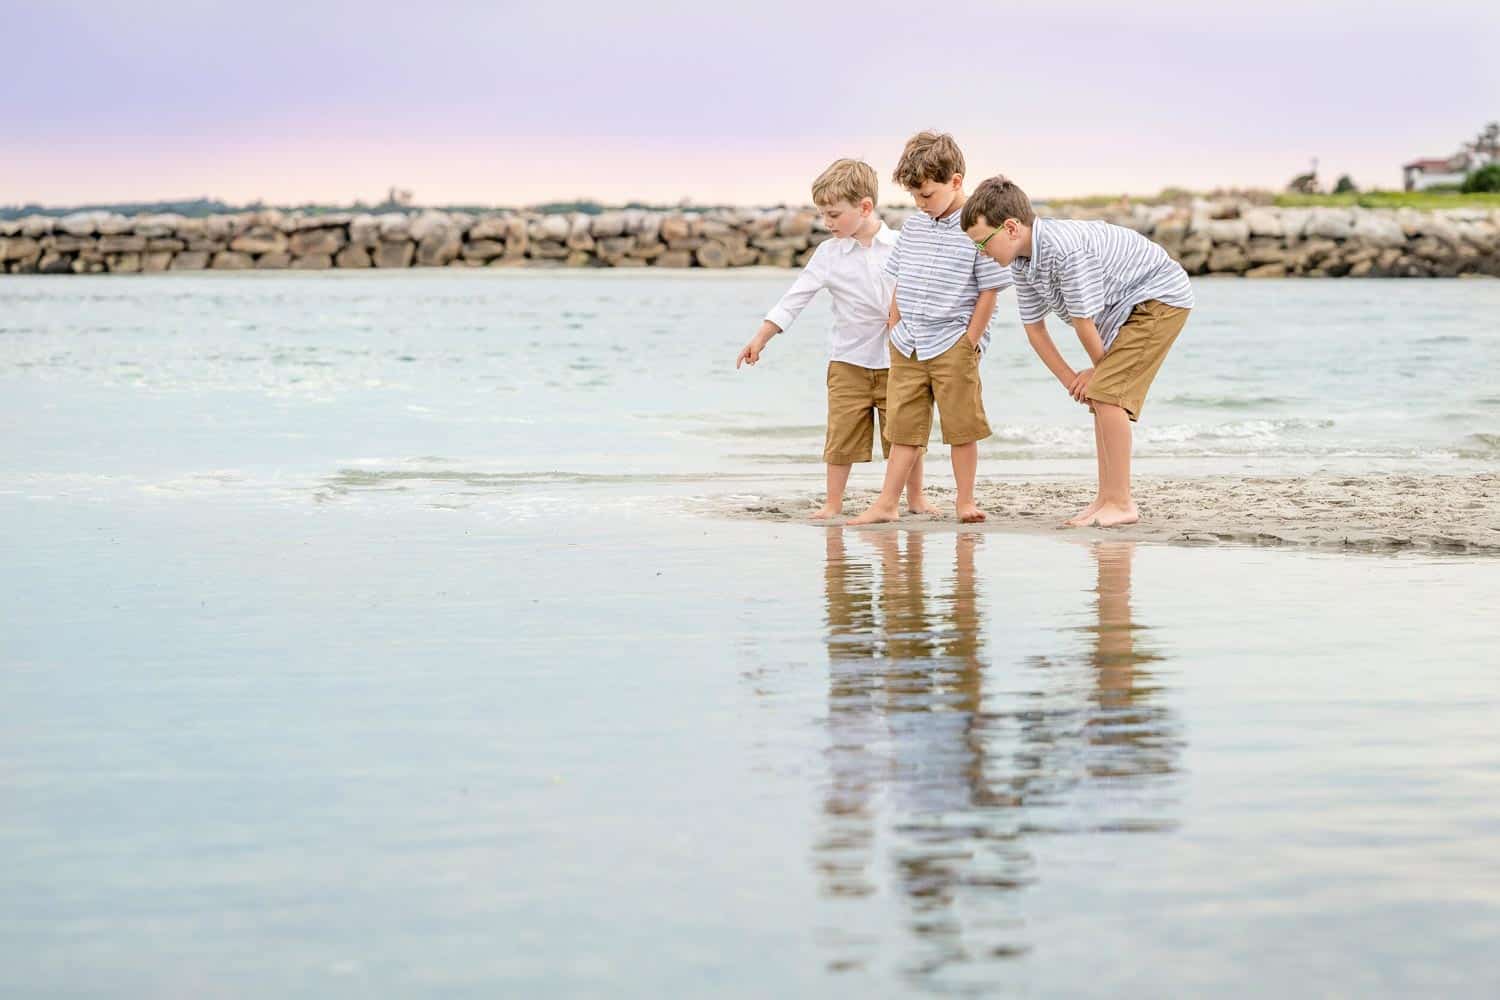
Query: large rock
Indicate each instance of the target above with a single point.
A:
(232, 260)
(364, 231)
(19, 248)
(273, 262)
(675, 258)
(395, 253)
(165, 226)
(1294, 222)
(489, 227)
(353, 255)
(261, 239)
(1264, 222)
(189, 260)
(796, 223)
(394, 227)
(1228, 258)
(712, 254)
(579, 237)
(677, 227)
(81, 223)
(1228, 230)
(1267, 271)
(1266, 250)
(155, 261)
(112, 224)
(547, 250)
(37, 225)
(1331, 223)
(440, 248)
(122, 244)
(315, 242)
(312, 262)
(1378, 230)
(553, 228)
(607, 224)
(156, 244)
(483, 250)
(430, 224)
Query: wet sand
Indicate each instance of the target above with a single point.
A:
(1448, 514)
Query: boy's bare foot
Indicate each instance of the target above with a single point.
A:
(1114, 516)
(827, 511)
(1086, 515)
(921, 506)
(968, 513)
(878, 513)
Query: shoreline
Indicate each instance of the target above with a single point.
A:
(1433, 514)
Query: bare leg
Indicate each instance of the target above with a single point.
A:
(833, 505)
(897, 469)
(1117, 508)
(965, 468)
(1087, 514)
(916, 502)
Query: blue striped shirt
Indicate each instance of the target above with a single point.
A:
(1097, 271)
(939, 274)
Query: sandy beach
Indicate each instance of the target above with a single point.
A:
(1447, 514)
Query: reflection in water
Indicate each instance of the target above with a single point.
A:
(944, 761)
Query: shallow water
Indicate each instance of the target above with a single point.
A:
(414, 677)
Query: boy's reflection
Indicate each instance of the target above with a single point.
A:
(922, 761)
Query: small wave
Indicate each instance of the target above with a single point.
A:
(768, 431)
(1446, 338)
(1226, 402)
(1481, 445)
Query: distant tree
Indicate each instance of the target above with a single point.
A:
(1345, 185)
(1486, 178)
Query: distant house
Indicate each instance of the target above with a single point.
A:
(1485, 149)
(1418, 175)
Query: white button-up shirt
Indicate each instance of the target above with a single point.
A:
(861, 290)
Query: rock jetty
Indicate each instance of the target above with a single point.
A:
(1227, 238)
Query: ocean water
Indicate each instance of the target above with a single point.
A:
(363, 638)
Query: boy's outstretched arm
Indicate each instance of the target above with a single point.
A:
(984, 308)
(751, 352)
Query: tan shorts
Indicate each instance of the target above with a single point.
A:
(951, 380)
(856, 398)
(1124, 374)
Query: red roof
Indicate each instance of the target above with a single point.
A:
(1424, 165)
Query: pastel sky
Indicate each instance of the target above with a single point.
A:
(516, 103)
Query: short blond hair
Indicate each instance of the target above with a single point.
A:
(995, 200)
(846, 180)
(929, 156)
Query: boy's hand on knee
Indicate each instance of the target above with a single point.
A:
(1080, 385)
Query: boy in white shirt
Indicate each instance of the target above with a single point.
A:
(851, 266)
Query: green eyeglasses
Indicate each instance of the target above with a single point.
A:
(979, 244)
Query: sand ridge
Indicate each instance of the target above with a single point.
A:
(1385, 513)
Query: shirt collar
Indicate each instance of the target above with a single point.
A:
(884, 235)
(1036, 248)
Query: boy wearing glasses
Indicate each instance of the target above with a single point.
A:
(940, 315)
(1123, 295)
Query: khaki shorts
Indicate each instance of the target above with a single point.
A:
(951, 380)
(856, 397)
(1124, 374)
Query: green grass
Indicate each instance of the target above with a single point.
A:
(1392, 199)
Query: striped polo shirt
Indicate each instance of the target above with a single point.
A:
(939, 275)
(1094, 270)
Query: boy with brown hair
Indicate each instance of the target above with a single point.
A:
(1123, 295)
(940, 315)
(851, 266)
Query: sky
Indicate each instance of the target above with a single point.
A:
(518, 103)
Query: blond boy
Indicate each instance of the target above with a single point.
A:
(1123, 295)
(851, 267)
(940, 315)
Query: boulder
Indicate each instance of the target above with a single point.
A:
(712, 254)
(353, 255)
(795, 223)
(55, 263)
(579, 237)
(439, 248)
(207, 245)
(191, 229)
(395, 253)
(112, 224)
(364, 231)
(163, 226)
(168, 243)
(515, 236)
(1196, 243)
(394, 227)
(554, 228)
(232, 260)
(81, 223)
(312, 262)
(1378, 230)
(10, 227)
(1331, 223)
(222, 227)
(547, 250)
(258, 240)
(675, 258)
(122, 244)
(1228, 258)
(482, 250)
(155, 261)
(615, 246)
(63, 243)
(743, 257)
(431, 224)
(489, 227)
(1228, 231)
(189, 260)
(626, 262)
(579, 258)
(1265, 250)
(1193, 262)
(273, 262)
(777, 257)
(37, 225)
(606, 225)
(1267, 271)
(316, 242)
(1264, 222)
(676, 227)
(1294, 222)
(19, 248)
(647, 251)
